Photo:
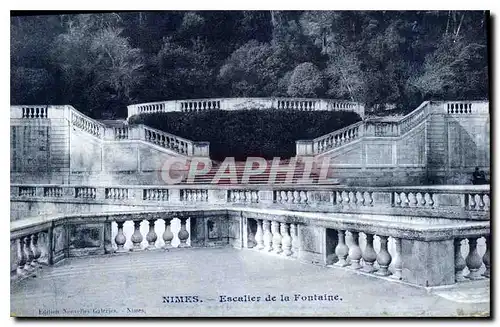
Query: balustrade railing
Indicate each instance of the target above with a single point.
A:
(199, 105)
(338, 138)
(87, 124)
(381, 253)
(35, 112)
(53, 191)
(167, 141)
(372, 246)
(155, 194)
(193, 195)
(121, 133)
(159, 236)
(243, 196)
(467, 202)
(466, 107)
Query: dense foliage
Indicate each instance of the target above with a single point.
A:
(240, 134)
(100, 63)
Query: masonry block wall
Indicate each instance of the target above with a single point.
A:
(444, 149)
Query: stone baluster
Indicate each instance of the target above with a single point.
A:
(151, 236)
(397, 263)
(266, 226)
(286, 241)
(473, 260)
(120, 238)
(383, 257)
(168, 236)
(137, 236)
(341, 250)
(36, 250)
(459, 260)
(472, 202)
(183, 233)
(21, 257)
(276, 240)
(259, 235)
(369, 254)
(28, 253)
(486, 256)
(397, 199)
(355, 251)
(303, 197)
(295, 239)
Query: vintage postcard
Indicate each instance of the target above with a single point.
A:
(250, 164)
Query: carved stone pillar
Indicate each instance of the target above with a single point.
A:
(355, 251)
(287, 240)
(459, 260)
(473, 260)
(486, 256)
(266, 225)
(295, 239)
(398, 263)
(275, 229)
(369, 255)
(137, 236)
(151, 236)
(341, 250)
(259, 235)
(120, 238)
(183, 233)
(383, 258)
(36, 250)
(168, 236)
(21, 257)
(28, 253)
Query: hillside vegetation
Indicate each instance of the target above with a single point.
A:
(102, 62)
(240, 134)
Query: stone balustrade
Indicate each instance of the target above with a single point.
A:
(422, 203)
(338, 138)
(466, 107)
(120, 133)
(388, 126)
(113, 133)
(87, 124)
(167, 141)
(453, 252)
(198, 105)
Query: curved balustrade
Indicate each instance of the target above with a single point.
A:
(372, 246)
(198, 105)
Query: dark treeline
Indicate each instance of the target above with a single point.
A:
(100, 63)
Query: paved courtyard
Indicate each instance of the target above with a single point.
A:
(229, 282)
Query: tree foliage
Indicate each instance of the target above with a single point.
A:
(102, 62)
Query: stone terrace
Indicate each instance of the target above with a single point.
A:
(133, 281)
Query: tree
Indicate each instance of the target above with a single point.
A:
(306, 81)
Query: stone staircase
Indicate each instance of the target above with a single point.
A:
(283, 170)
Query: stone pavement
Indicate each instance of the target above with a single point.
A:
(229, 282)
